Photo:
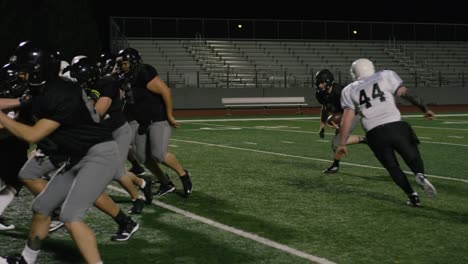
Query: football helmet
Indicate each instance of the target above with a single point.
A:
(11, 85)
(106, 63)
(362, 68)
(32, 60)
(324, 76)
(84, 71)
(128, 54)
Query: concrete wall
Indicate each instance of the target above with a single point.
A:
(210, 98)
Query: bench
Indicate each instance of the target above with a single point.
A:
(264, 102)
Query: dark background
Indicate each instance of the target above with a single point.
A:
(82, 26)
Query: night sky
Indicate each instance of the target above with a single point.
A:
(379, 11)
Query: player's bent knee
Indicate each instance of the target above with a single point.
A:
(39, 207)
(68, 217)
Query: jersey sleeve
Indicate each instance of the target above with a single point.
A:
(148, 73)
(106, 88)
(346, 100)
(393, 79)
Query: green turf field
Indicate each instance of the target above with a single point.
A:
(259, 197)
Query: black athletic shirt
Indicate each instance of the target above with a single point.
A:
(109, 86)
(148, 107)
(332, 101)
(64, 102)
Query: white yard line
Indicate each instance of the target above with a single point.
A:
(308, 158)
(289, 118)
(236, 231)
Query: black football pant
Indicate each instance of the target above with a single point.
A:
(396, 137)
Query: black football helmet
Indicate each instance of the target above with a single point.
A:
(106, 63)
(128, 54)
(324, 76)
(11, 85)
(33, 60)
(84, 71)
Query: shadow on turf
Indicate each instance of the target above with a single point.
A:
(176, 243)
(62, 249)
(328, 184)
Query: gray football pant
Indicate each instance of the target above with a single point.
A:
(156, 140)
(39, 165)
(78, 188)
(336, 138)
(123, 136)
(36, 167)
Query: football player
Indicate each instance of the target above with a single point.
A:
(108, 104)
(64, 115)
(372, 96)
(13, 150)
(149, 101)
(328, 94)
(106, 65)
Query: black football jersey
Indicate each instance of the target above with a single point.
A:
(331, 101)
(109, 86)
(147, 106)
(67, 104)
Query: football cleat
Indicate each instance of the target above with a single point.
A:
(138, 171)
(165, 189)
(55, 225)
(4, 225)
(186, 183)
(426, 185)
(413, 200)
(331, 170)
(125, 231)
(12, 260)
(137, 207)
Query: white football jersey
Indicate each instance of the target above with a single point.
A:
(373, 98)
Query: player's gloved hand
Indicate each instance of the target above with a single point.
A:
(93, 95)
(322, 132)
(25, 99)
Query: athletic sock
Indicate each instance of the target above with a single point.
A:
(30, 255)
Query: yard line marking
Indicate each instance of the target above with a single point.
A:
(236, 231)
(455, 137)
(250, 143)
(312, 132)
(443, 128)
(287, 142)
(444, 143)
(289, 118)
(309, 158)
(455, 122)
(323, 140)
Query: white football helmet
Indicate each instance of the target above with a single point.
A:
(362, 68)
(77, 58)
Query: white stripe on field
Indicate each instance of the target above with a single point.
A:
(288, 118)
(308, 158)
(455, 137)
(443, 128)
(444, 143)
(236, 231)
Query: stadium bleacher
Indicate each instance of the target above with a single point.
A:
(287, 63)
